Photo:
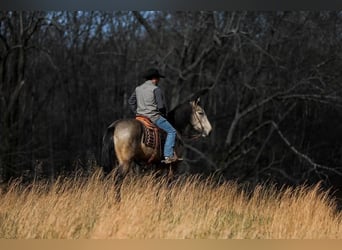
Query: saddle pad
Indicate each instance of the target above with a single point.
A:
(150, 137)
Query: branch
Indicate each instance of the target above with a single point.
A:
(327, 99)
(31, 30)
(14, 97)
(4, 41)
(182, 74)
(239, 115)
(146, 25)
(282, 117)
(202, 155)
(260, 48)
(198, 60)
(287, 176)
(301, 155)
(237, 157)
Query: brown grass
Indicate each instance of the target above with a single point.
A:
(76, 207)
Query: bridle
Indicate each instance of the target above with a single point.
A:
(199, 134)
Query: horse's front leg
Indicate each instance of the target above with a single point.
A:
(170, 171)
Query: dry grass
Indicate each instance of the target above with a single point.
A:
(87, 208)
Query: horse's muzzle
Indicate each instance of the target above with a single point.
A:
(206, 133)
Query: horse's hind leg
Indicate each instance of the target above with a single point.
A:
(124, 167)
(124, 150)
(126, 140)
(125, 158)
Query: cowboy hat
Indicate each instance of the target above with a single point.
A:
(150, 73)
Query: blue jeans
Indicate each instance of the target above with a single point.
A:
(162, 123)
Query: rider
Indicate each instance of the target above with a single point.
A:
(148, 100)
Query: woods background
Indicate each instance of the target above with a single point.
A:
(274, 81)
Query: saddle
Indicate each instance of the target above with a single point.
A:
(153, 136)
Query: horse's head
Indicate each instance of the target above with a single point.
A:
(190, 114)
(199, 119)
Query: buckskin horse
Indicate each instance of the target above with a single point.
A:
(126, 141)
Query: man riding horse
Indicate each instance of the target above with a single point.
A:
(147, 100)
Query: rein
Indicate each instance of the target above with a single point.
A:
(193, 137)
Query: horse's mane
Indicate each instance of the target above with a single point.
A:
(180, 116)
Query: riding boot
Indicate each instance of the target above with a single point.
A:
(171, 159)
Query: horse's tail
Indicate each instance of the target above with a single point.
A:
(108, 157)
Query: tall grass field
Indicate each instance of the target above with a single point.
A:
(150, 207)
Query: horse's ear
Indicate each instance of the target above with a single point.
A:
(196, 97)
(196, 102)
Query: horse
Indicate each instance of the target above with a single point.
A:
(123, 145)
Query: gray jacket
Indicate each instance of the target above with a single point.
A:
(148, 100)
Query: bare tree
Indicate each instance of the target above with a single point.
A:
(271, 80)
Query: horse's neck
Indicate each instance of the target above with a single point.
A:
(179, 117)
(171, 118)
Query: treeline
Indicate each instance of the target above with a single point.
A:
(274, 83)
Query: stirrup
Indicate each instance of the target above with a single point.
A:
(169, 160)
